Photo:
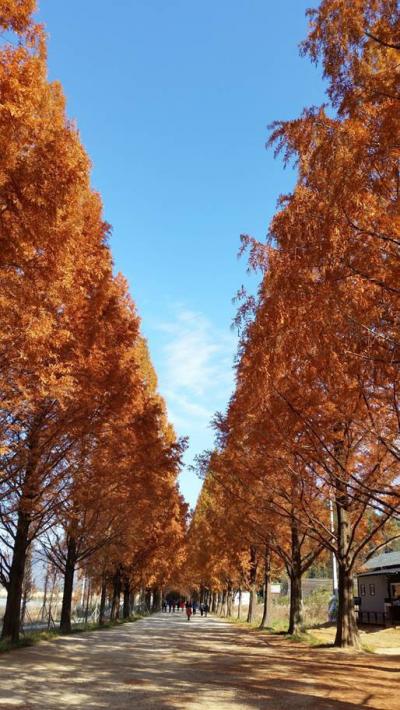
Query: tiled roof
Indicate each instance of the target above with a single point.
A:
(388, 559)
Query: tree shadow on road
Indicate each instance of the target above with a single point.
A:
(174, 664)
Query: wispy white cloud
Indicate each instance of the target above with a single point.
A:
(194, 367)
(197, 361)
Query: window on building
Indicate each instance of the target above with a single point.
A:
(372, 590)
(395, 590)
(362, 590)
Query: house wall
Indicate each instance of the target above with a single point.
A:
(370, 602)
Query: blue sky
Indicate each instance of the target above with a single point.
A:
(172, 99)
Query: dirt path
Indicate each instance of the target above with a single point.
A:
(165, 662)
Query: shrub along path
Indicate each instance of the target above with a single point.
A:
(166, 662)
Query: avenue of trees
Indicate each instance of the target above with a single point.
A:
(88, 460)
(312, 428)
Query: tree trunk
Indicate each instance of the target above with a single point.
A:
(88, 599)
(296, 623)
(229, 601)
(126, 608)
(12, 616)
(202, 593)
(252, 585)
(65, 623)
(115, 604)
(266, 617)
(213, 603)
(219, 603)
(132, 604)
(102, 601)
(45, 590)
(239, 604)
(148, 600)
(27, 586)
(156, 600)
(346, 627)
(222, 611)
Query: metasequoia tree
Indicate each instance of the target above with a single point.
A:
(341, 226)
(146, 541)
(317, 411)
(76, 382)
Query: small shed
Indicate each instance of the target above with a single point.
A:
(379, 590)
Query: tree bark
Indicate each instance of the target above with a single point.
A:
(213, 603)
(156, 600)
(252, 585)
(102, 602)
(229, 601)
(219, 603)
(296, 623)
(148, 600)
(126, 607)
(346, 627)
(65, 623)
(12, 616)
(239, 604)
(88, 599)
(266, 617)
(115, 604)
(223, 603)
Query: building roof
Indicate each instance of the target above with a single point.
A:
(388, 559)
(375, 572)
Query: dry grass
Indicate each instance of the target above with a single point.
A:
(315, 610)
(319, 631)
(373, 638)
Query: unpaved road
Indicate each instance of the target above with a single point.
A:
(166, 662)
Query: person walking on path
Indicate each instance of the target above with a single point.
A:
(188, 610)
(206, 609)
(201, 608)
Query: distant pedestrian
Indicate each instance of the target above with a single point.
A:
(201, 608)
(164, 606)
(206, 609)
(188, 610)
(194, 607)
